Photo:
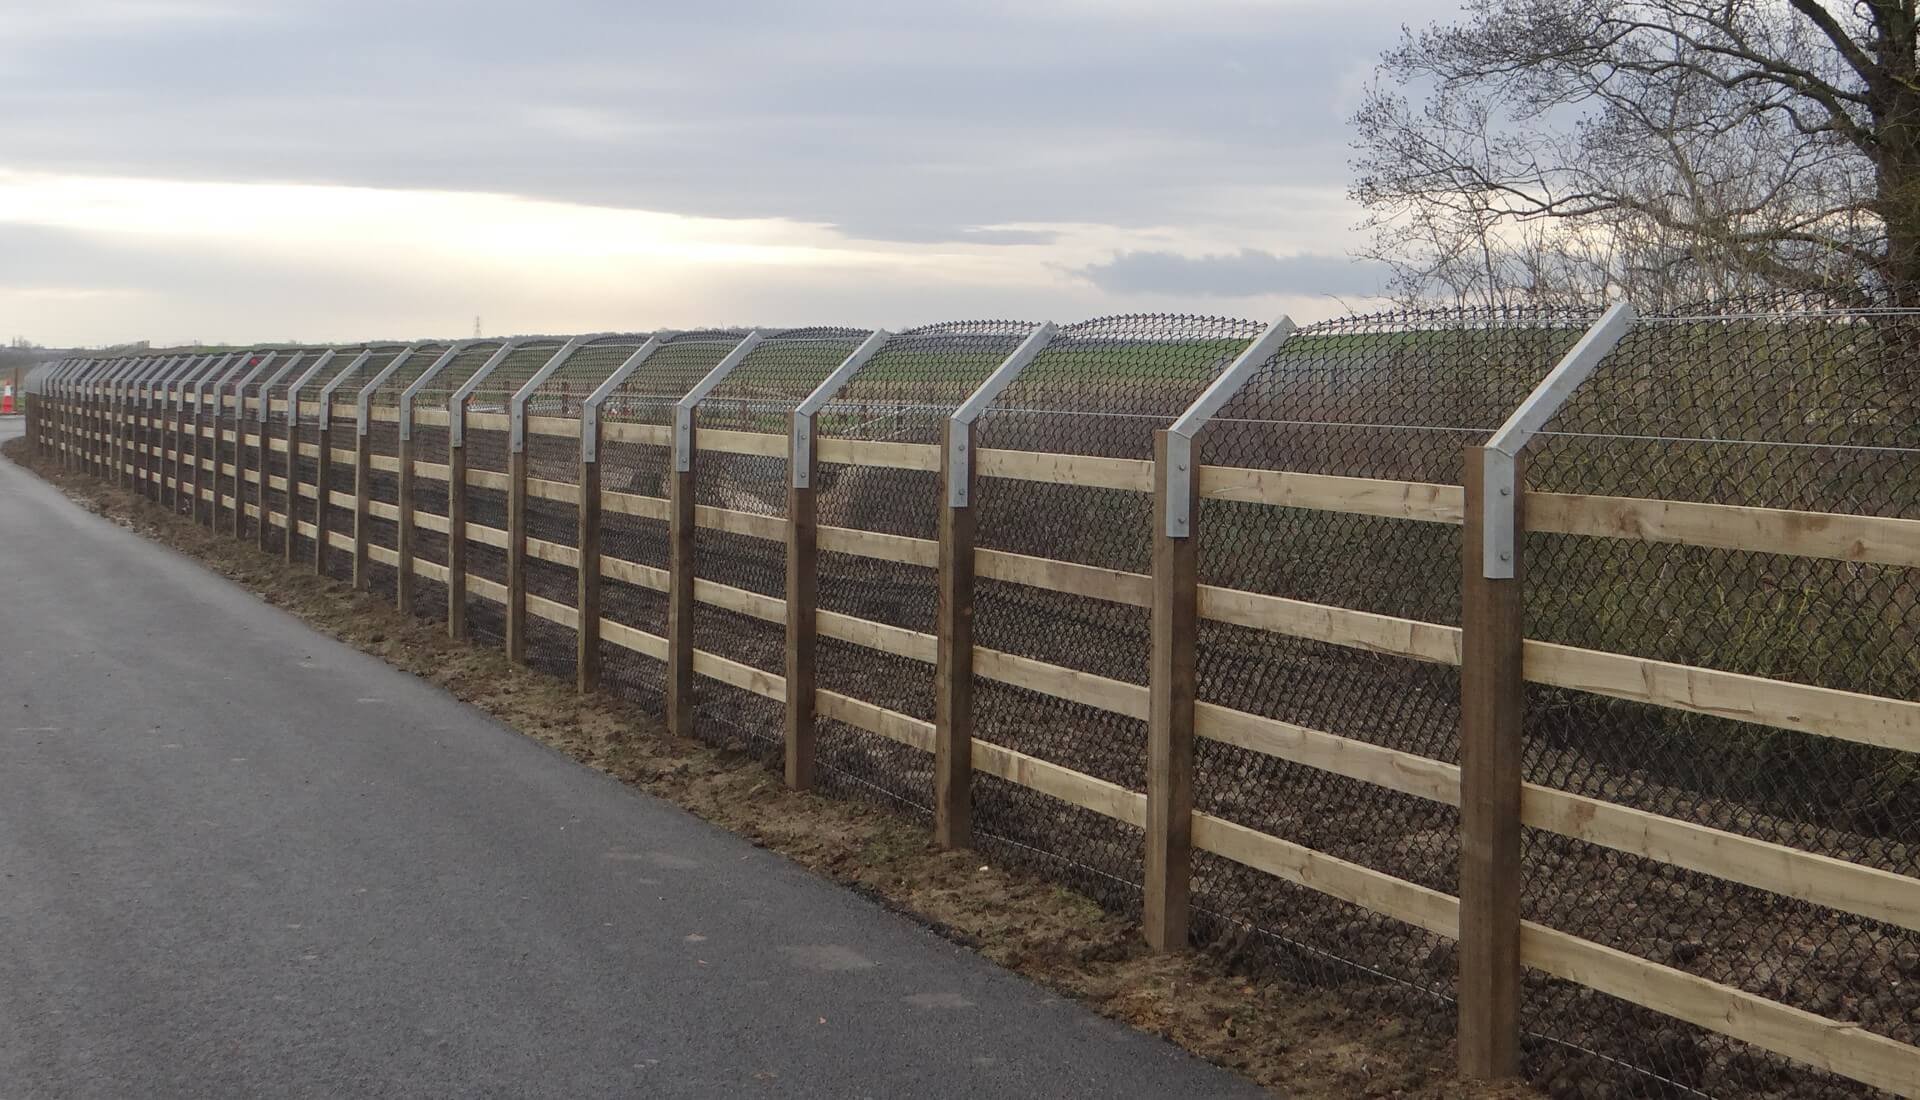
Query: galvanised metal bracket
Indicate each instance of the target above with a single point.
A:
(1498, 531)
(363, 401)
(833, 383)
(1180, 464)
(338, 380)
(457, 425)
(267, 383)
(214, 377)
(959, 459)
(517, 404)
(240, 386)
(433, 371)
(683, 408)
(590, 408)
(300, 383)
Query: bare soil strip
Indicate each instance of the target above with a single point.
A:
(1298, 1041)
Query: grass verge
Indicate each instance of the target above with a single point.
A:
(1298, 1041)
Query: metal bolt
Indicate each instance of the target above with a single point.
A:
(1506, 555)
(1506, 490)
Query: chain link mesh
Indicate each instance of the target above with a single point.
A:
(1099, 388)
(904, 394)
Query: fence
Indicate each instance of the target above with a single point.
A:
(1545, 676)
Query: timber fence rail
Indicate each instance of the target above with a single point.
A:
(1550, 677)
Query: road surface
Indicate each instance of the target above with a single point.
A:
(240, 859)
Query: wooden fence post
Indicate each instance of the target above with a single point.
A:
(517, 555)
(239, 462)
(1491, 708)
(1169, 853)
(953, 656)
(403, 539)
(362, 510)
(680, 566)
(323, 486)
(586, 661)
(293, 477)
(803, 588)
(457, 520)
(213, 475)
(264, 475)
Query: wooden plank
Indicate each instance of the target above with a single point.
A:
(770, 609)
(1113, 696)
(634, 641)
(517, 557)
(1130, 474)
(488, 422)
(487, 588)
(1405, 772)
(380, 509)
(343, 456)
(894, 456)
(1069, 786)
(488, 479)
(1337, 878)
(891, 724)
(1413, 500)
(432, 471)
(1492, 709)
(554, 553)
(1172, 688)
(432, 570)
(954, 656)
(431, 418)
(802, 603)
(873, 544)
(431, 521)
(1091, 581)
(563, 427)
(552, 610)
(560, 491)
(1364, 630)
(383, 555)
(1848, 716)
(743, 676)
(771, 528)
(634, 504)
(629, 572)
(481, 533)
(1880, 540)
(895, 640)
(586, 653)
(657, 435)
(1866, 891)
(744, 443)
(384, 463)
(1839, 1047)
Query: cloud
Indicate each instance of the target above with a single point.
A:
(1246, 273)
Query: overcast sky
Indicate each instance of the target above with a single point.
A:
(329, 169)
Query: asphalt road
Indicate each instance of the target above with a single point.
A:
(240, 859)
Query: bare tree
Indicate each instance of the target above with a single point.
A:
(1559, 149)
